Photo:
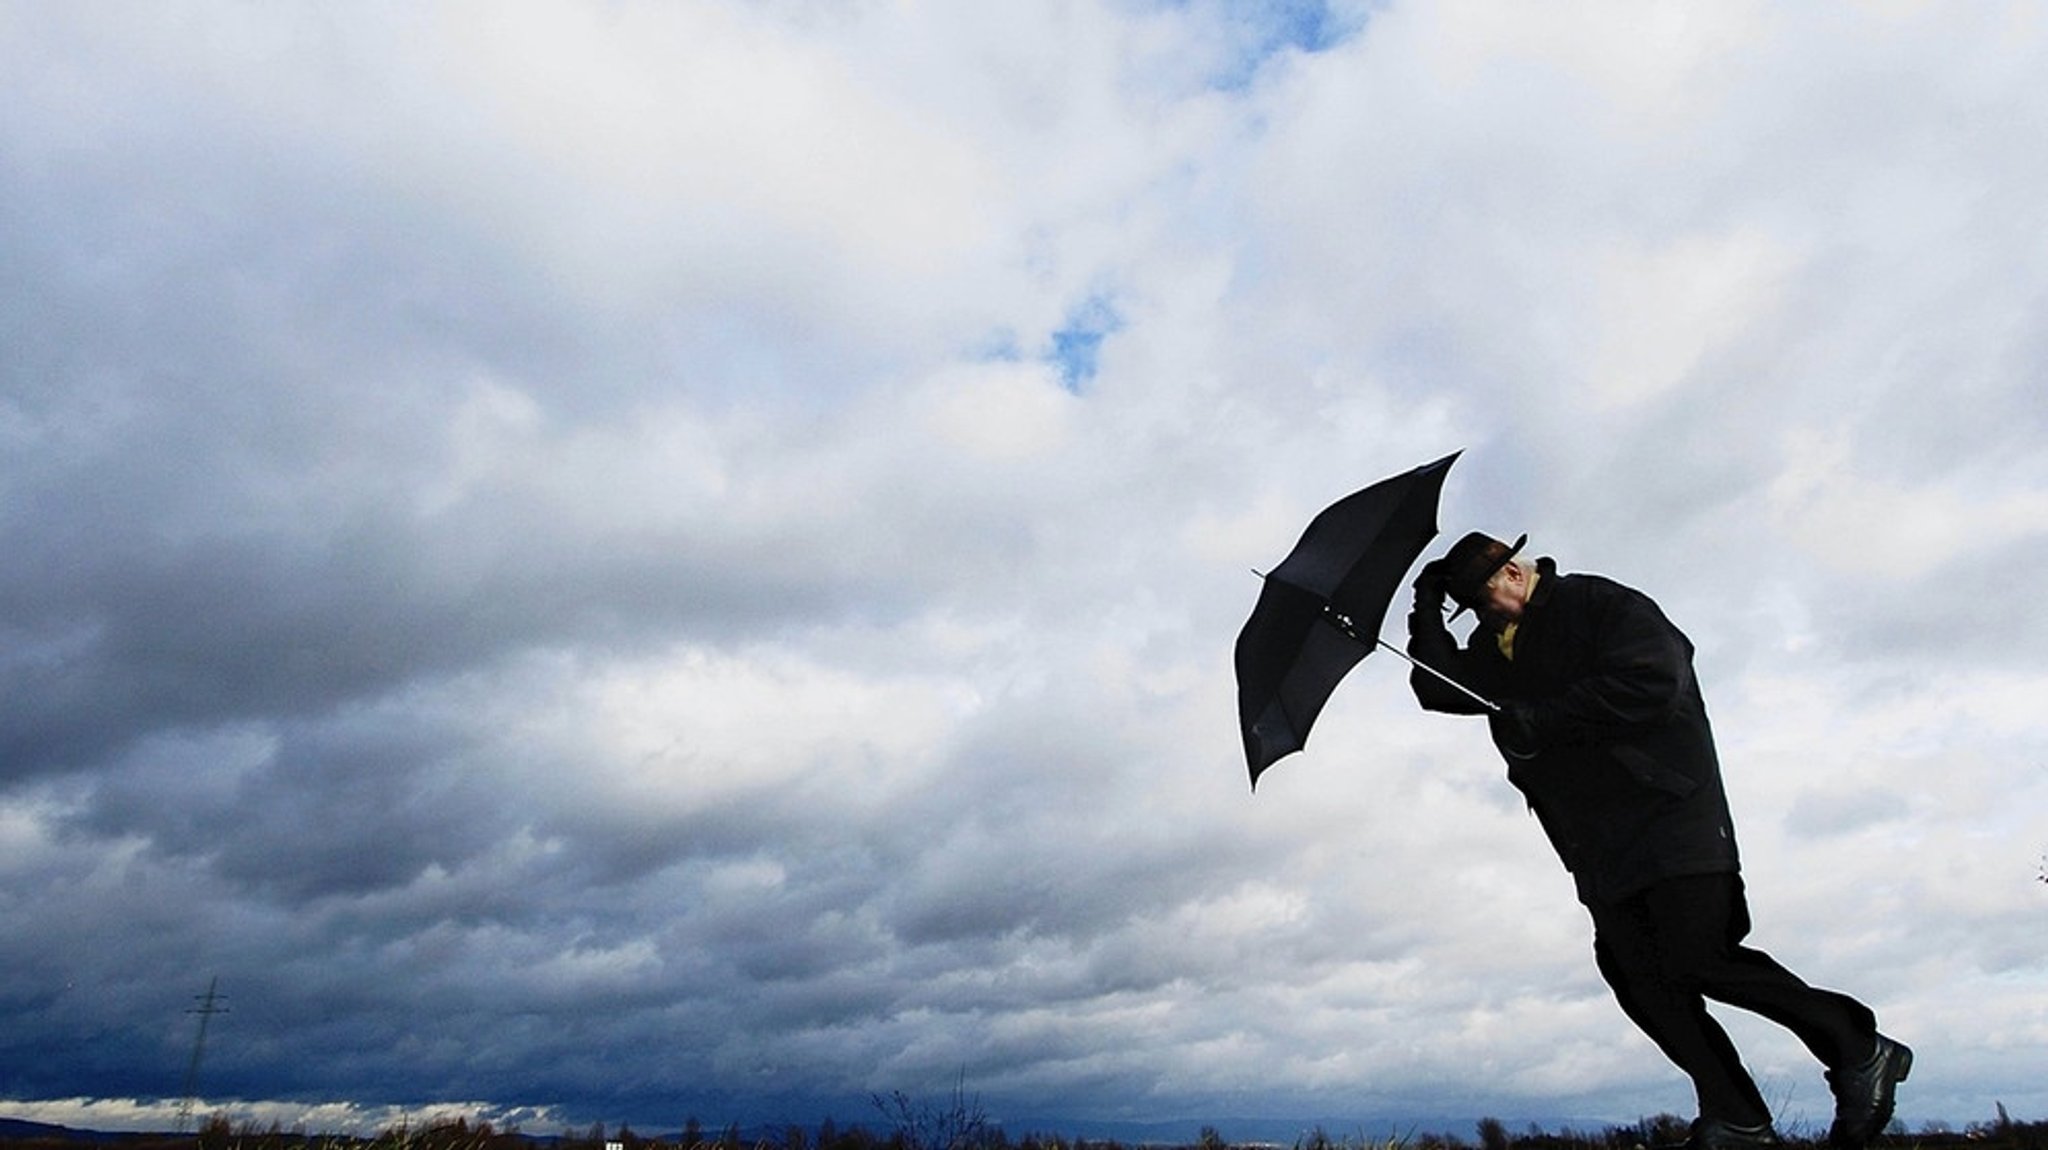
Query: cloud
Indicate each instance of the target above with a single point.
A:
(644, 560)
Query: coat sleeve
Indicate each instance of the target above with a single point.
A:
(1637, 673)
(1431, 643)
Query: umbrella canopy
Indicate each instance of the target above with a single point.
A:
(1321, 609)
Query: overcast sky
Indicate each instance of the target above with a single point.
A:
(612, 561)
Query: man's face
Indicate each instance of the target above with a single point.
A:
(1501, 602)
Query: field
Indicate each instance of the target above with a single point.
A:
(955, 1129)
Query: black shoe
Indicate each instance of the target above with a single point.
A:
(1864, 1094)
(1714, 1134)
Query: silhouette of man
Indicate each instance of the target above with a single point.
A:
(1605, 733)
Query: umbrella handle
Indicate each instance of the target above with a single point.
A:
(1475, 696)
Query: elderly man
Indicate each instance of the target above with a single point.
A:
(1604, 731)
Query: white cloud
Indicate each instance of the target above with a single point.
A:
(1858, 523)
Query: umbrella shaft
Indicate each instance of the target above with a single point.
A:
(1469, 692)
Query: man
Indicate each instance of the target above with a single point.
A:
(1604, 731)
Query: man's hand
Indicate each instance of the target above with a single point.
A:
(1430, 586)
(1517, 728)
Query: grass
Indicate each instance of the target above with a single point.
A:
(962, 1125)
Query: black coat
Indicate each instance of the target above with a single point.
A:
(1625, 780)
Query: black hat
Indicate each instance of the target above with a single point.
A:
(1469, 563)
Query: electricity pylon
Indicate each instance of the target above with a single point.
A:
(209, 1005)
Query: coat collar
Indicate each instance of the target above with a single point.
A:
(1546, 581)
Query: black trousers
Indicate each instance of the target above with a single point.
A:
(1668, 949)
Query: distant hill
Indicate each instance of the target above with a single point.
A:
(17, 1129)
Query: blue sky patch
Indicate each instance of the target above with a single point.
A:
(1270, 27)
(1076, 345)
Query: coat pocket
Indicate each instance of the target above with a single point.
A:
(1653, 772)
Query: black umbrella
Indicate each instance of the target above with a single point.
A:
(1321, 609)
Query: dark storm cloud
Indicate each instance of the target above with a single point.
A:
(231, 375)
(218, 516)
